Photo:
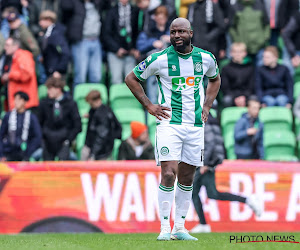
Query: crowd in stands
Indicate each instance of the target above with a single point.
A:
(54, 52)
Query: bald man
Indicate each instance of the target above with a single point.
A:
(181, 113)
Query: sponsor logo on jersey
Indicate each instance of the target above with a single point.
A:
(142, 66)
(174, 68)
(181, 83)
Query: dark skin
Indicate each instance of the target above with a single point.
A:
(180, 36)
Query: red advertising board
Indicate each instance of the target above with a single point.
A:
(121, 196)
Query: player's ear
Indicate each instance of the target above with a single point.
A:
(191, 33)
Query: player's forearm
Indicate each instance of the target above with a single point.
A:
(212, 91)
(136, 89)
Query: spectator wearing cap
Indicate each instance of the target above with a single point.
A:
(138, 145)
(274, 83)
(60, 121)
(54, 45)
(19, 73)
(103, 128)
(20, 31)
(20, 133)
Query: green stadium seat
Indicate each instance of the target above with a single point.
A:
(127, 115)
(120, 96)
(296, 90)
(297, 126)
(115, 151)
(229, 145)
(276, 118)
(280, 146)
(229, 117)
(80, 139)
(81, 91)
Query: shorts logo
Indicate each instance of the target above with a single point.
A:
(198, 66)
(164, 151)
(142, 66)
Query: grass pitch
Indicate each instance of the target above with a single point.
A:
(219, 241)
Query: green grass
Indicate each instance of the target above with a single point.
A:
(218, 241)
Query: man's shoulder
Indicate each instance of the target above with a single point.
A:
(156, 56)
(204, 52)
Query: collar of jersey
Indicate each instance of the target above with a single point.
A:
(184, 56)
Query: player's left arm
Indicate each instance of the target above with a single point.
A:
(211, 94)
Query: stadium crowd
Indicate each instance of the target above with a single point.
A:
(63, 64)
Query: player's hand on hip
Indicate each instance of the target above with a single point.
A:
(158, 111)
(204, 115)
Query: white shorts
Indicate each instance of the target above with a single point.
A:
(179, 143)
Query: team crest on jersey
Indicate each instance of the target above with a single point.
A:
(142, 66)
(174, 68)
(164, 151)
(198, 66)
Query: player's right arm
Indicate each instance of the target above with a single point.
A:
(137, 90)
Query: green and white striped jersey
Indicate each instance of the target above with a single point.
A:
(180, 81)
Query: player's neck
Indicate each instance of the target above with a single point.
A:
(186, 51)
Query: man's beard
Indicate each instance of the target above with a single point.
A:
(181, 48)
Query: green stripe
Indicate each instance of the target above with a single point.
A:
(156, 145)
(166, 189)
(185, 188)
(176, 97)
(161, 90)
(198, 71)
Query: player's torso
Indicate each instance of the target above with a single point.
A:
(181, 87)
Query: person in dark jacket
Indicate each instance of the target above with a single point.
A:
(60, 121)
(291, 37)
(120, 35)
(103, 128)
(248, 133)
(155, 40)
(208, 25)
(274, 84)
(20, 133)
(237, 78)
(54, 45)
(138, 145)
(205, 176)
(83, 21)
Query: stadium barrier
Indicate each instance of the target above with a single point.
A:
(121, 197)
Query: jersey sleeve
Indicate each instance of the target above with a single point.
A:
(213, 69)
(146, 68)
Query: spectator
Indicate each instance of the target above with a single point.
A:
(103, 129)
(248, 133)
(274, 84)
(20, 132)
(54, 45)
(205, 176)
(208, 25)
(297, 112)
(19, 73)
(237, 77)
(36, 7)
(144, 14)
(60, 121)
(250, 25)
(156, 39)
(138, 145)
(120, 36)
(83, 22)
(21, 32)
(291, 37)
